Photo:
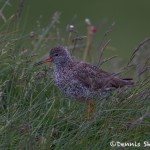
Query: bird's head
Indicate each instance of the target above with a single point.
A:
(58, 55)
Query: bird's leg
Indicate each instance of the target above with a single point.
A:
(89, 108)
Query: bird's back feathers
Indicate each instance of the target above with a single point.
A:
(93, 77)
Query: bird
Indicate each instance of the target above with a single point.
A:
(79, 80)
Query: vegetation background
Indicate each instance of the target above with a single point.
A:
(33, 113)
(131, 18)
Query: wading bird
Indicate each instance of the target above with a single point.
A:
(79, 80)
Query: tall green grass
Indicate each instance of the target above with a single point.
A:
(35, 115)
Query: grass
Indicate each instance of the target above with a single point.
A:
(35, 115)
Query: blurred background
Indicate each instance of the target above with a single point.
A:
(132, 18)
(34, 114)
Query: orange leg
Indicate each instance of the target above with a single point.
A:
(89, 108)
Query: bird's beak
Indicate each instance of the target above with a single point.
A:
(43, 61)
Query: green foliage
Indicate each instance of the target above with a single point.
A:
(34, 114)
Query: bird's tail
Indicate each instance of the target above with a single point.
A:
(118, 82)
(127, 81)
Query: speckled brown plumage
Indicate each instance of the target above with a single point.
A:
(80, 80)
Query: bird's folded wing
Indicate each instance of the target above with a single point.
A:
(95, 78)
(91, 76)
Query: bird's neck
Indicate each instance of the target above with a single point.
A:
(63, 64)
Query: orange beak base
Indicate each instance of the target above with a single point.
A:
(43, 61)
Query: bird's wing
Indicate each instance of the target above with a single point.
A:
(95, 78)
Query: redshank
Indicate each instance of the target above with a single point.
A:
(79, 80)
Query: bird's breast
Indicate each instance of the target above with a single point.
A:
(61, 77)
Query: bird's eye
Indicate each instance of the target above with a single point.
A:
(56, 55)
